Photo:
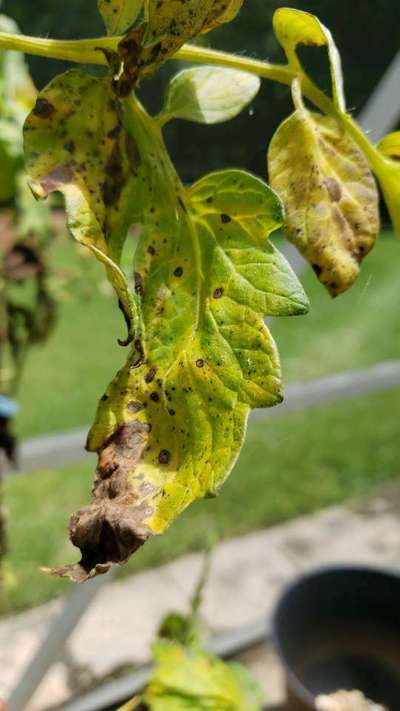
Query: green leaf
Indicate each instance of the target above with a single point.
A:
(196, 680)
(295, 27)
(75, 144)
(170, 427)
(329, 194)
(209, 94)
(119, 15)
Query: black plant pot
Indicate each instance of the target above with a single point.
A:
(339, 628)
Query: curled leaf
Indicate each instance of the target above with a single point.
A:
(209, 94)
(295, 27)
(119, 15)
(169, 430)
(93, 162)
(329, 194)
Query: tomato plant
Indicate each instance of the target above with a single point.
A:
(171, 424)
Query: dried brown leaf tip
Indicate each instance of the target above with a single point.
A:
(329, 194)
(112, 527)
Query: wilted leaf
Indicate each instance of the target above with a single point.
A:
(169, 429)
(75, 144)
(195, 680)
(209, 94)
(295, 27)
(119, 15)
(329, 194)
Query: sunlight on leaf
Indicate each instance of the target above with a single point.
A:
(194, 679)
(329, 194)
(92, 162)
(295, 27)
(209, 94)
(119, 15)
(169, 429)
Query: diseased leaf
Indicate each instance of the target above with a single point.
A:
(295, 27)
(168, 25)
(93, 162)
(329, 194)
(169, 429)
(173, 22)
(193, 679)
(387, 169)
(209, 94)
(119, 15)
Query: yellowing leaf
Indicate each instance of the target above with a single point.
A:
(385, 162)
(389, 146)
(386, 165)
(169, 429)
(173, 22)
(168, 25)
(209, 94)
(195, 680)
(75, 144)
(119, 15)
(295, 27)
(329, 194)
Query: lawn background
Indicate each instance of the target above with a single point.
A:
(289, 466)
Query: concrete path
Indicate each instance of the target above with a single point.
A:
(247, 576)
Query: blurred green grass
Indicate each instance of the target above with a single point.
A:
(289, 465)
(64, 379)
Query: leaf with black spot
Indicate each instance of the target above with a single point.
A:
(75, 143)
(210, 358)
(329, 193)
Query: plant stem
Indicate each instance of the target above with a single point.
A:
(281, 73)
(82, 51)
(89, 51)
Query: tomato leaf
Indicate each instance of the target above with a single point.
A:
(93, 162)
(193, 679)
(167, 26)
(329, 194)
(209, 94)
(295, 27)
(119, 15)
(169, 429)
(173, 23)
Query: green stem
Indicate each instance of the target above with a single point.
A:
(91, 51)
(86, 51)
(281, 73)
